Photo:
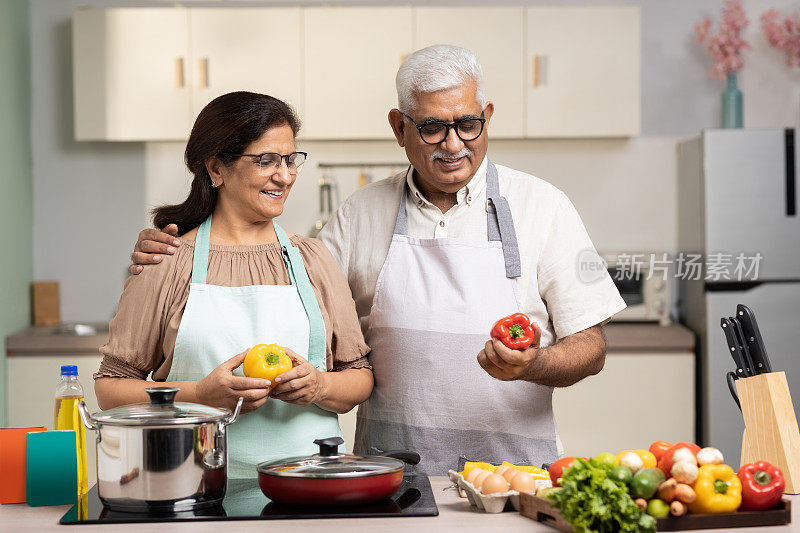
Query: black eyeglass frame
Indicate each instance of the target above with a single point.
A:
(282, 157)
(447, 126)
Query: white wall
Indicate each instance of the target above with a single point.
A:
(90, 198)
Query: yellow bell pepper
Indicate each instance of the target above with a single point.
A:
(718, 490)
(266, 361)
(647, 457)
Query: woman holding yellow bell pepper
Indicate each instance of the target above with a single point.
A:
(718, 490)
(236, 280)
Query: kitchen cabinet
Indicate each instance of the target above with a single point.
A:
(130, 74)
(638, 398)
(495, 34)
(583, 71)
(352, 57)
(258, 50)
(31, 383)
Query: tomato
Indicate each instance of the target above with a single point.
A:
(648, 459)
(659, 447)
(557, 469)
(665, 464)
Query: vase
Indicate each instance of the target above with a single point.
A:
(732, 104)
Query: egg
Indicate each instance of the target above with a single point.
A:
(476, 482)
(493, 484)
(472, 474)
(523, 481)
(510, 473)
(500, 470)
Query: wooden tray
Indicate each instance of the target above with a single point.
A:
(541, 510)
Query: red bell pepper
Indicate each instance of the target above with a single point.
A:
(762, 486)
(515, 331)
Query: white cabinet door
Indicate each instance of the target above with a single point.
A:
(583, 71)
(495, 34)
(31, 384)
(130, 74)
(619, 408)
(258, 50)
(352, 57)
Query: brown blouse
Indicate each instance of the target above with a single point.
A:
(142, 334)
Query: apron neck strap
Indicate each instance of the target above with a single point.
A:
(499, 220)
(501, 224)
(201, 245)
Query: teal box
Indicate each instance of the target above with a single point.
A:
(52, 469)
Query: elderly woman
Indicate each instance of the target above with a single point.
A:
(237, 280)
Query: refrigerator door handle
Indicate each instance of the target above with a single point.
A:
(791, 172)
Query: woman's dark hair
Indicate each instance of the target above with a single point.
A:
(226, 126)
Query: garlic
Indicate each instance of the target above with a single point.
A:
(684, 472)
(632, 461)
(684, 454)
(709, 456)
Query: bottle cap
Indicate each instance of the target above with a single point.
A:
(69, 370)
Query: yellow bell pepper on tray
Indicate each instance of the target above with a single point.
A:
(718, 489)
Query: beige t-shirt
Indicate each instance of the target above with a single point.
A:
(142, 334)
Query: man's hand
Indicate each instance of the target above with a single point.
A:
(302, 385)
(151, 243)
(222, 389)
(506, 364)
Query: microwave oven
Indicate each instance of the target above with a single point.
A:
(645, 281)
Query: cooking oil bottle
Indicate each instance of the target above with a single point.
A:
(68, 394)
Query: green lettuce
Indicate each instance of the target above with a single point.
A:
(595, 503)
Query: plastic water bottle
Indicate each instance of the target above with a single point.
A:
(69, 394)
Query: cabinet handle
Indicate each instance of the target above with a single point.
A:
(539, 70)
(204, 72)
(180, 79)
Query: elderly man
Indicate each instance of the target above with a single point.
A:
(434, 256)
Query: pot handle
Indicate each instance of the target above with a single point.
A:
(411, 458)
(231, 419)
(87, 419)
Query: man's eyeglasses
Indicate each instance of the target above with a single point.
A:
(270, 162)
(435, 131)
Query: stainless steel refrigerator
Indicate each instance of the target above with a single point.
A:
(737, 197)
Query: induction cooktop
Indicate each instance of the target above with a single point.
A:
(245, 501)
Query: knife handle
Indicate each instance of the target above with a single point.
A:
(733, 346)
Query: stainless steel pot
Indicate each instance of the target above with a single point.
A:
(161, 455)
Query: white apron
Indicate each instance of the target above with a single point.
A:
(220, 322)
(435, 303)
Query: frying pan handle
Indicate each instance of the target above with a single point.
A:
(407, 457)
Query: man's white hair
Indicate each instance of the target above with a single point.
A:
(436, 68)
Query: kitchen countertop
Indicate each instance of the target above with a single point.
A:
(641, 337)
(455, 515)
(620, 337)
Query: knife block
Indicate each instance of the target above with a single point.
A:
(771, 433)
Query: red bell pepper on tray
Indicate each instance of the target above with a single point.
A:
(515, 331)
(762, 486)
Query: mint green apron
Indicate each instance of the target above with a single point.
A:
(220, 322)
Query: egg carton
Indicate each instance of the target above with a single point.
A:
(491, 503)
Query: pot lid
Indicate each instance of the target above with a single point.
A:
(162, 410)
(329, 463)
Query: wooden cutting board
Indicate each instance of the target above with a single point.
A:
(542, 511)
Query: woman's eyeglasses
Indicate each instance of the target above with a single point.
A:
(270, 162)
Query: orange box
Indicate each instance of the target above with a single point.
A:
(12, 463)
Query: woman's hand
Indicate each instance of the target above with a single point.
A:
(222, 389)
(302, 385)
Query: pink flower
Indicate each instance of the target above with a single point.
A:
(783, 35)
(725, 45)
